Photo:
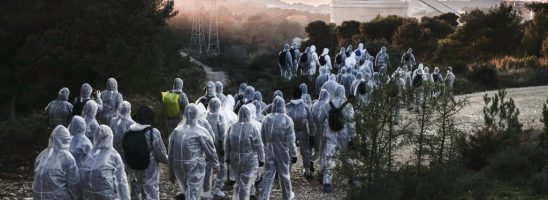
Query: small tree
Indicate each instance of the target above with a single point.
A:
(543, 138)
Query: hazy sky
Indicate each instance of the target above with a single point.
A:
(313, 2)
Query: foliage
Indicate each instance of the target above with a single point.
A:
(543, 138)
(510, 166)
(412, 34)
(89, 42)
(321, 34)
(486, 75)
(346, 31)
(539, 182)
(381, 27)
(536, 30)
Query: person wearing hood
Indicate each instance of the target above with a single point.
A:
(86, 92)
(191, 148)
(408, 59)
(259, 117)
(305, 130)
(219, 91)
(259, 97)
(249, 96)
(172, 122)
(314, 62)
(418, 81)
(325, 60)
(55, 169)
(285, 61)
(219, 125)
(336, 141)
(449, 80)
(341, 73)
(346, 80)
(331, 84)
(120, 125)
(305, 97)
(244, 153)
(145, 183)
(80, 145)
(278, 137)
(321, 79)
(89, 113)
(60, 110)
(364, 89)
(295, 55)
(359, 77)
(111, 99)
(339, 60)
(361, 54)
(382, 60)
(102, 173)
(320, 120)
(241, 91)
(437, 79)
(351, 61)
(268, 108)
(209, 94)
(367, 66)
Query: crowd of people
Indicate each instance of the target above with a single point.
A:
(99, 150)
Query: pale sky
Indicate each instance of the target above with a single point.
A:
(312, 2)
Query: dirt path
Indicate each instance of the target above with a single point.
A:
(211, 75)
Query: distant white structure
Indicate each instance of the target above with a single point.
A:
(365, 10)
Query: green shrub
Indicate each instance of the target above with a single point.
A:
(486, 75)
(475, 184)
(539, 183)
(510, 166)
(21, 140)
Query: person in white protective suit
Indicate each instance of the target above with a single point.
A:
(86, 92)
(408, 59)
(321, 79)
(367, 66)
(219, 125)
(102, 173)
(359, 77)
(111, 99)
(191, 148)
(268, 108)
(121, 124)
(351, 61)
(339, 60)
(336, 141)
(346, 80)
(364, 89)
(326, 59)
(331, 85)
(60, 110)
(314, 62)
(80, 145)
(382, 61)
(305, 130)
(244, 153)
(171, 124)
(145, 183)
(259, 97)
(55, 170)
(305, 96)
(89, 113)
(219, 91)
(278, 137)
(361, 54)
(320, 120)
(209, 94)
(449, 80)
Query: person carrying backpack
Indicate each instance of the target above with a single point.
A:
(86, 94)
(325, 60)
(174, 103)
(339, 61)
(285, 61)
(295, 55)
(338, 135)
(209, 94)
(408, 59)
(60, 110)
(144, 150)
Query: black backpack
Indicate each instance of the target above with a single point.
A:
(136, 150)
(417, 81)
(437, 78)
(79, 106)
(338, 59)
(362, 88)
(282, 58)
(322, 60)
(406, 56)
(335, 117)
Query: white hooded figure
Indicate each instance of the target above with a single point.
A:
(60, 110)
(364, 89)
(449, 80)
(331, 85)
(55, 170)
(359, 77)
(171, 123)
(89, 113)
(339, 60)
(278, 137)
(321, 79)
(305, 130)
(219, 125)
(120, 124)
(111, 99)
(361, 54)
(85, 95)
(437, 79)
(244, 153)
(320, 120)
(102, 173)
(367, 67)
(314, 62)
(191, 148)
(80, 145)
(337, 140)
(325, 57)
(382, 60)
(418, 81)
(351, 61)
